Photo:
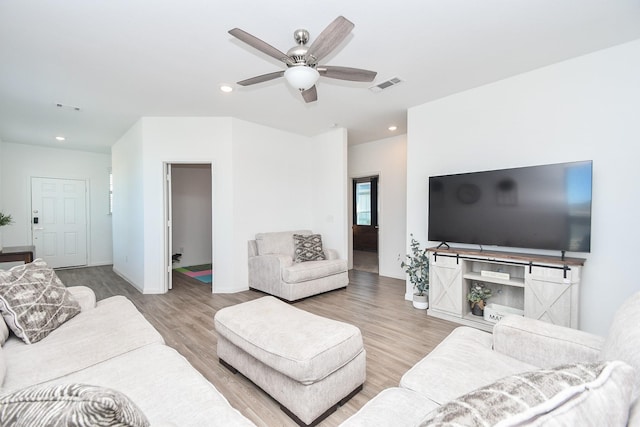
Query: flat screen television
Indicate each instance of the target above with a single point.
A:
(537, 207)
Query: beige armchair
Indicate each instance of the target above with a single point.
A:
(272, 268)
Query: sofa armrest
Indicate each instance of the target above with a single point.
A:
(252, 248)
(544, 344)
(331, 254)
(84, 295)
(265, 271)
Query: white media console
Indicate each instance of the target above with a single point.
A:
(543, 287)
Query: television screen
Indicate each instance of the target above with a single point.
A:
(539, 207)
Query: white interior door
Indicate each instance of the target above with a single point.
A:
(59, 221)
(168, 253)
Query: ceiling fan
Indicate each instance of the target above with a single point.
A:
(302, 70)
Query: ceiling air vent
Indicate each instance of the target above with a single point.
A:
(385, 85)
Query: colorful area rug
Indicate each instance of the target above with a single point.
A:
(202, 272)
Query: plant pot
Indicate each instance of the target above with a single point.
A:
(476, 310)
(421, 301)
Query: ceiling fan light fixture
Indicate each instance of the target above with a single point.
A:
(301, 77)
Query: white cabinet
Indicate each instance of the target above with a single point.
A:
(552, 296)
(543, 287)
(447, 295)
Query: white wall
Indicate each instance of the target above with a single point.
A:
(271, 182)
(271, 189)
(580, 109)
(330, 189)
(263, 180)
(192, 209)
(1, 180)
(388, 159)
(284, 181)
(20, 162)
(128, 207)
(140, 156)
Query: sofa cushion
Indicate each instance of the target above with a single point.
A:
(3, 366)
(4, 331)
(308, 247)
(583, 394)
(294, 342)
(461, 362)
(112, 328)
(623, 340)
(310, 270)
(280, 242)
(77, 405)
(393, 406)
(166, 388)
(34, 301)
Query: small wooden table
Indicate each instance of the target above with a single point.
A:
(17, 253)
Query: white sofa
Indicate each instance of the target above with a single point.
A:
(470, 363)
(272, 268)
(110, 344)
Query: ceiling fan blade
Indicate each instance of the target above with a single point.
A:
(310, 95)
(262, 78)
(347, 73)
(262, 46)
(329, 39)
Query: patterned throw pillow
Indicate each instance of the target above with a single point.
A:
(308, 247)
(75, 405)
(34, 302)
(532, 397)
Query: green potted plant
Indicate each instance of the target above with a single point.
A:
(4, 220)
(477, 296)
(416, 265)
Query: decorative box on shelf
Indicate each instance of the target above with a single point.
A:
(494, 312)
(495, 274)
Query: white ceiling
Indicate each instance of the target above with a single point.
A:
(119, 60)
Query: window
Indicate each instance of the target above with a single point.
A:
(365, 201)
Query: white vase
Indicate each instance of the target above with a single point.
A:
(421, 302)
(0, 240)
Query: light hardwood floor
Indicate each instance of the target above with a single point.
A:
(395, 334)
(365, 261)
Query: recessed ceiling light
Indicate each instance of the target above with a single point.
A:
(392, 128)
(226, 88)
(60, 138)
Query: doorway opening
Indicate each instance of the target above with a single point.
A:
(189, 224)
(365, 224)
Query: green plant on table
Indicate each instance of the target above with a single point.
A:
(5, 219)
(416, 265)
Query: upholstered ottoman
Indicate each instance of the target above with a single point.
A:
(308, 363)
